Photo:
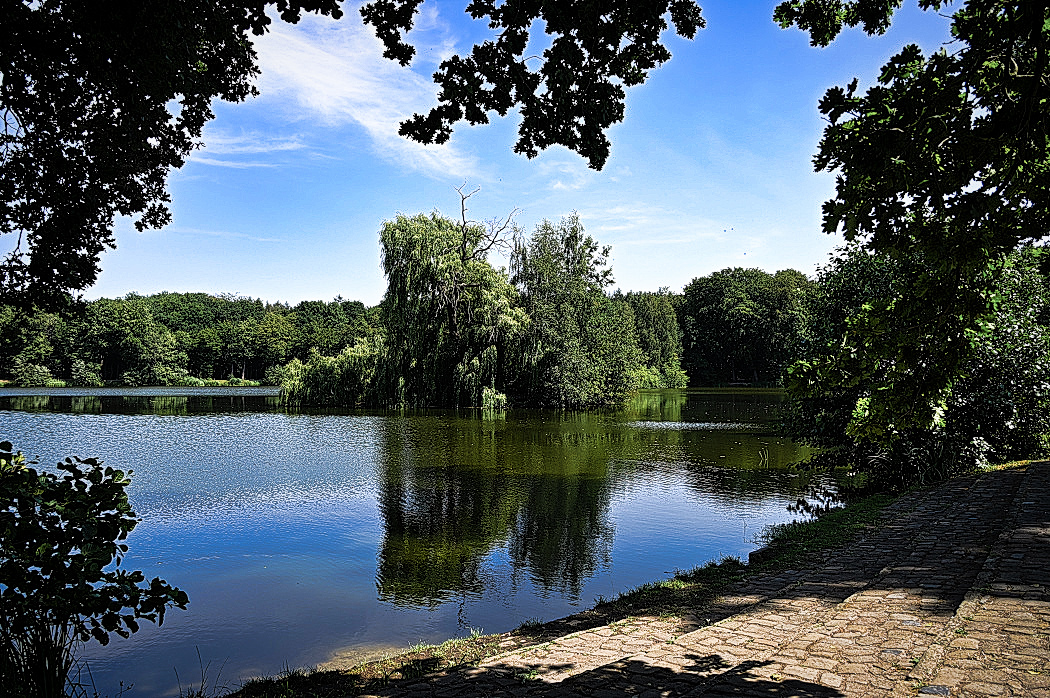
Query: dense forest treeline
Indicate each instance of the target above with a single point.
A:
(453, 330)
(171, 338)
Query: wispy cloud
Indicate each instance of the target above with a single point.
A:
(239, 164)
(640, 224)
(335, 72)
(243, 150)
(222, 143)
(565, 175)
(432, 36)
(220, 233)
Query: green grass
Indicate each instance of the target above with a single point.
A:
(790, 541)
(789, 544)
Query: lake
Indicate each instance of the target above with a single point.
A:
(300, 536)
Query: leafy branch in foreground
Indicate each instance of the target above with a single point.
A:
(569, 94)
(61, 545)
(944, 161)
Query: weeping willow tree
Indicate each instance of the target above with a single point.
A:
(344, 380)
(457, 332)
(448, 313)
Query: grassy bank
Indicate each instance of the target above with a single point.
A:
(689, 591)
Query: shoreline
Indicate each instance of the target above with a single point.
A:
(674, 601)
(940, 591)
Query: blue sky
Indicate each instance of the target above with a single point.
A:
(711, 168)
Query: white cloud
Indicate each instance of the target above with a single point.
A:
(220, 233)
(201, 160)
(218, 142)
(335, 72)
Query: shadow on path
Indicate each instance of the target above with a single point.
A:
(952, 578)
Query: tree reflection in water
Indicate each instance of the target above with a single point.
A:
(453, 488)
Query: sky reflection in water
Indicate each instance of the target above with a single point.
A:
(297, 535)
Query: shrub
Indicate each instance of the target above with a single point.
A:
(188, 382)
(275, 375)
(648, 378)
(344, 380)
(492, 400)
(61, 544)
(131, 379)
(673, 375)
(670, 375)
(84, 374)
(30, 375)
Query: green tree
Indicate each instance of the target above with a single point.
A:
(743, 325)
(998, 409)
(659, 338)
(944, 160)
(193, 312)
(273, 339)
(125, 339)
(448, 313)
(60, 535)
(203, 354)
(35, 344)
(238, 345)
(88, 133)
(579, 349)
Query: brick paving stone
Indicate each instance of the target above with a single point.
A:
(950, 593)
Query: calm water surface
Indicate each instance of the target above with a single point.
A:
(302, 536)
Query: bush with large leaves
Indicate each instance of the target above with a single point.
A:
(61, 543)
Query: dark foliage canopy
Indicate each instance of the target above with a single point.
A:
(100, 99)
(945, 162)
(570, 94)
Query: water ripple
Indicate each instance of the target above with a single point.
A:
(695, 426)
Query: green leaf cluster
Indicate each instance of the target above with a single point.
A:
(62, 539)
(942, 166)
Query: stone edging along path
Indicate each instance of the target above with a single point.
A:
(950, 596)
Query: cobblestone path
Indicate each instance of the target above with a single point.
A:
(949, 597)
